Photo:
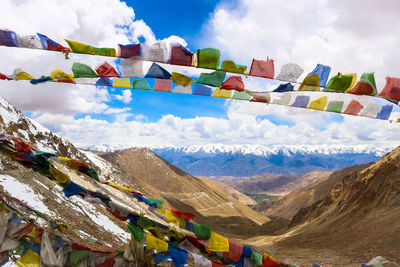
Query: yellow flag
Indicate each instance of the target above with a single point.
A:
(59, 74)
(181, 79)
(218, 243)
(310, 83)
(222, 93)
(30, 259)
(319, 103)
(170, 215)
(156, 244)
(59, 176)
(24, 76)
(127, 189)
(123, 82)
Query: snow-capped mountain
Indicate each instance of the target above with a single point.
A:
(249, 160)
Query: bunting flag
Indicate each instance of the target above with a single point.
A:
(208, 58)
(262, 68)
(81, 48)
(392, 89)
(341, 83)
(323, 73)
(132, 66)
(181, 56)
(290, 72)
(130, 50)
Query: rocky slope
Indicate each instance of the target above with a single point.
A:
(288, 205)
(360, 216)
(272, 184)
(182, 190)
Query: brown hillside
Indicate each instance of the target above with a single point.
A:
(183, 191)
(230, 191)
(360, 217)
(287, 206)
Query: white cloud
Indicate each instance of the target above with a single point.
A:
(233, 130)
(116, 110)
(126, 96)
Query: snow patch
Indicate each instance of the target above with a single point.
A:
(23, 192)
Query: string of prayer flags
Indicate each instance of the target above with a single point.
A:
(284, 87)
(156, 71)
(83, 71)
(181, 79)
(49, 44)
(218, 243)
(132, 68)
(208, 58)
(310, 83)
(262, 68)
(233, 83)
(106, 70)
(290, 72)
(391, 89)
(130, 50)
(215, 78)
(323, 73)
(366, 85)
(341, 83)
(230, 66)
(181, 56)
(353, 108)
(81, 48)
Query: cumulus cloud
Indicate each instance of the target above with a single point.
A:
(126, 96)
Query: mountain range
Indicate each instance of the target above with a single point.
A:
(342, 219)
(215, 160)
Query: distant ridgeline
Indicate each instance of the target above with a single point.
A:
(200, 161)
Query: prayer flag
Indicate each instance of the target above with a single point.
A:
(353, 108)
(130, 50)
(181, 56)
(262, 68)
(289, 72)
(319, 104)
(215, 78)
(106, 70)
(163, 85)
(233, 83)
(391, 90)
(218, 243)
(230, 66)
(208, 58)
(341, 83)
(323, 73)
(83, 71)
(81, 48)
